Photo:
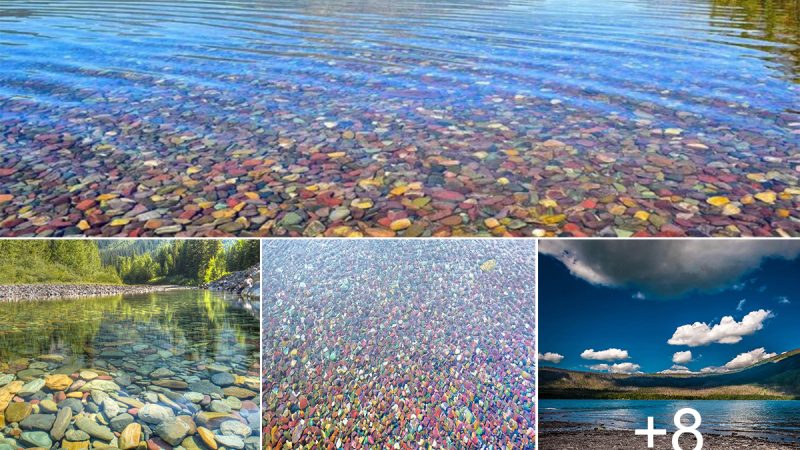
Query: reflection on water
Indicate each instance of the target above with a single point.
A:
(772, 419)
(197, 323)
(629, 104)
(773, 21)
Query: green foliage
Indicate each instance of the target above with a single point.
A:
(53, 261)
(191, 262)
(243, 255)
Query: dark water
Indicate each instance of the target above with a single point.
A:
(772, 419)
(180, 108)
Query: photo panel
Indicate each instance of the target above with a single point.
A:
(669, 344)
(129, 344)
(405, 344)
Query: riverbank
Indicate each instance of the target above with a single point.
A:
(246, 283)
(25, 292)
(626, 440)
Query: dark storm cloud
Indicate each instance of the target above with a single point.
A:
(667, 268)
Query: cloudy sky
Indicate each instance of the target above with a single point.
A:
(667, 305)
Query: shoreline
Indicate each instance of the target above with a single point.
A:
(553, 436)
(237, 283)
(10, 293)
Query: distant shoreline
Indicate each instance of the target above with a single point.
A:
(30, 292)
(605, 439)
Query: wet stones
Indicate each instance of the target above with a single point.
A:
(172, 430)
(62, 421)
(130, 436)
(41, 422)
(58, 382)
(94, 429)
(154, 414)
(17, 412)
(38, 439)
(223, 379)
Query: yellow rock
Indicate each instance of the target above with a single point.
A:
(336, 154)
(491, 222)
(759, 177)
(130, 436)
(766, 197)
(367, 182)
(252, 195)
(400, 224)
(503, 181)
(362, 203)
(552, 219)
(489, 265)
(792, 191)
(69, 445)
(617, 209)
(75, 395)
(83, 225)
(193, 170)
(642, 215)
(718, 201)
(783, 213)
(399, 190)
(548, 203)
(120, 222)
(208, 437)
(223, 213)
(730, 210)
(747, 200)
(58, 382)
(103, 197)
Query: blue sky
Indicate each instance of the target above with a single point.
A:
(615, 298)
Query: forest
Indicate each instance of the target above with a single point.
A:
(191, 261)
(184, 262)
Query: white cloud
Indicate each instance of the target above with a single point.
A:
(727, 331)
(682, 357)
(666, 268)
(783, 300)
(610, 354)
(616, 368)
(554, 358)
(741, 304)
(676, 369)
(747, 359)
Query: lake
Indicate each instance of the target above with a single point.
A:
(771, 419)
(164, 362)
(338, 118)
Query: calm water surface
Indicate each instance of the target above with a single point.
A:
(775, 420)
(190, 324)
(180, 109)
